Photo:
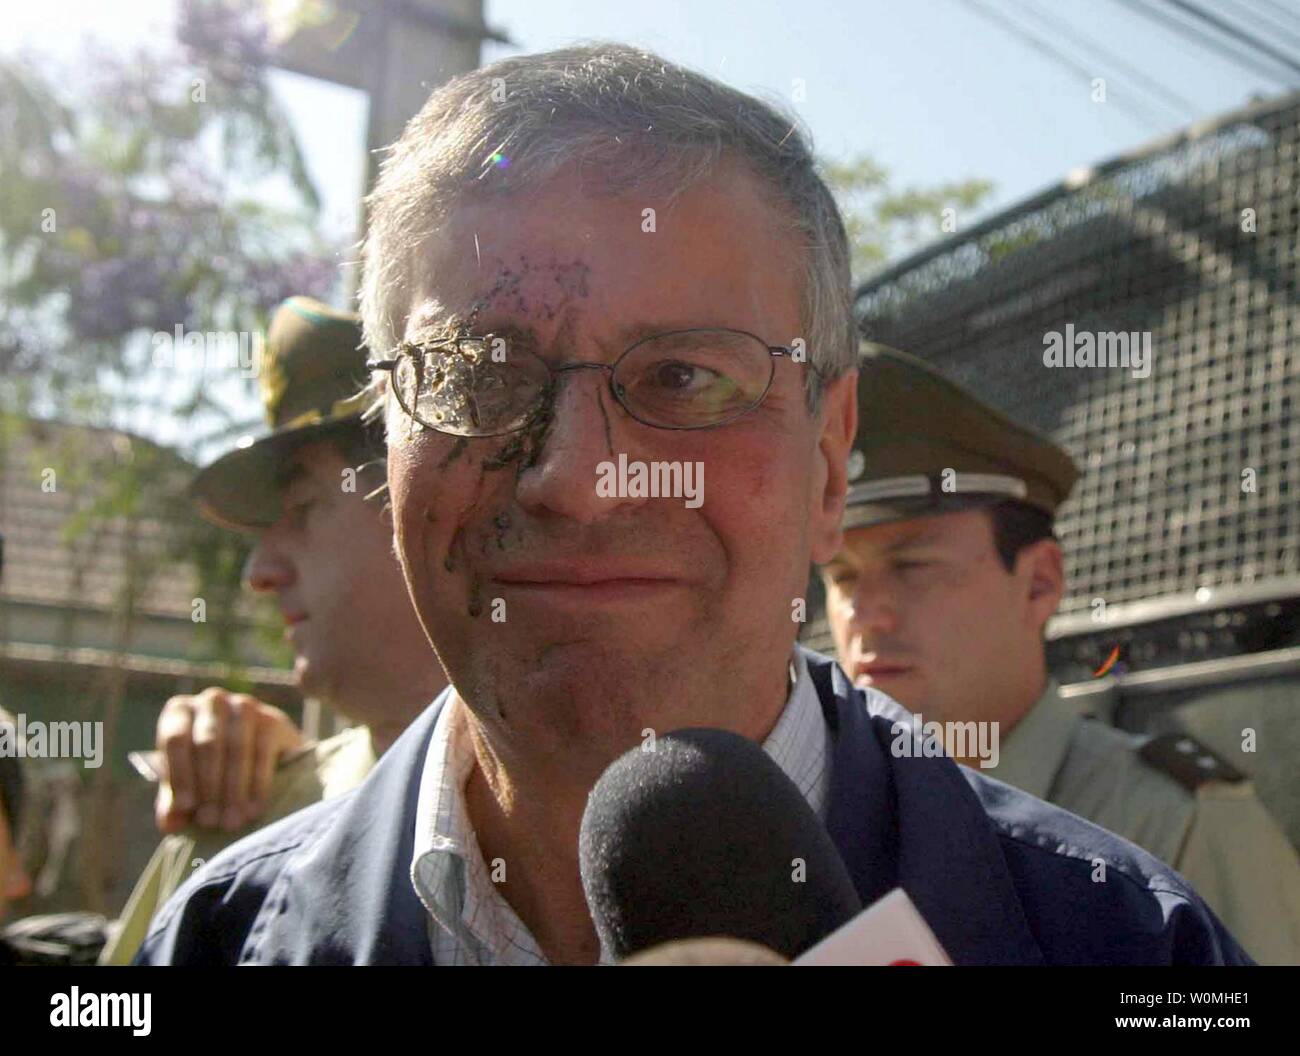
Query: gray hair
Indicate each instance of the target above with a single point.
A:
(640, 122)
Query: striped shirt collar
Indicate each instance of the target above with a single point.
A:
(469, 922)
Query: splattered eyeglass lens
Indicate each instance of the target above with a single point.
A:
(471, 388)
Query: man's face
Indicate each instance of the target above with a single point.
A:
(925, 611)
(14, 882)
(569, 621)
(328, 562)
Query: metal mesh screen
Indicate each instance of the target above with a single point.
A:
(1189, 474)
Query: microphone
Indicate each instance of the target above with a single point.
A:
(704, 836)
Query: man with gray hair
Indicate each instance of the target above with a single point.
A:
(590, 256)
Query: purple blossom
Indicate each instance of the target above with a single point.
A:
(229, 37)
(270, 282)
(160, 240)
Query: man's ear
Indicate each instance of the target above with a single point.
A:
(1044, 566)
(838, 425)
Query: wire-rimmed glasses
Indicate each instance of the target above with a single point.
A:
(488, 385)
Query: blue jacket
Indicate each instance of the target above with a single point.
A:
(1001, 877)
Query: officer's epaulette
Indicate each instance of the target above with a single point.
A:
(1188, 761)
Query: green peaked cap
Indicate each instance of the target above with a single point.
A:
(310, 379)
(926, 446)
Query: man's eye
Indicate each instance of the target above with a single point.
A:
(678, 375)
(911, 566)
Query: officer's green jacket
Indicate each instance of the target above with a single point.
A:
(1218, 835)
(332, 767)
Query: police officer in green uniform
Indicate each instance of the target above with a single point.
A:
(324, 552)
(948, 574)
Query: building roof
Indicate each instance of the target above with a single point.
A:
(66, 550)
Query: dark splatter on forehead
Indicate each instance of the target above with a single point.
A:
(551, 286)
(567, 282)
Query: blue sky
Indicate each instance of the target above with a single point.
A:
(931, 89)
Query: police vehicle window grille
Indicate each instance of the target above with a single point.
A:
(1189, 475)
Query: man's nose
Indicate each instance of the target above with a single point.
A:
(587, 427)
(267, 570)
(874, 607)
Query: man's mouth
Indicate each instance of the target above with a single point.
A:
(875, 671)
(586, 582)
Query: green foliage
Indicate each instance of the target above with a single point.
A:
(884, 224)
(135, 202)
(142, 192)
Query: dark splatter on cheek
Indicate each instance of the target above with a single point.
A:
(457, 452)
(535, 434)
(508, 452)
(496, 530)
(457, 449)
(474, 605)
(609, 436)
(524, 448)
